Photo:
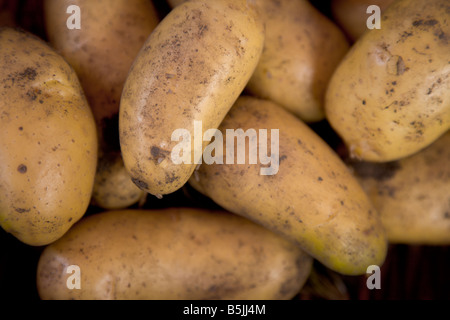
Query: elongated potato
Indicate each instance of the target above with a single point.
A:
(192, 68)
(412, 195)
(290, 72)
(48, 141)
(102, 51)
(390, 96)
(310, 197)
(113, 188)
(170, 254)
(302, 49)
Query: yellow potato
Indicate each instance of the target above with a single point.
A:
(352, 16)
(102, 51)
(412, 195)
(302, 49)
(171, 254)
(192, 68)
(48, 141)
(390, 96)
(113, 188)
(311, 198)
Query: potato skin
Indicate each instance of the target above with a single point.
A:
(302, 49)
(412, 195)
(113, 188)
(171, 254)
(351, 15)
(193, 67)
(312, 200)
(102, 51)
(390, 96)
(48, 141)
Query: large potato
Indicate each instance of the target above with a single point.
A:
(192, 68)
(172, 254)
(412, 195)
(390, 96)
(48, 141)
(302, 49)
(102, 51)
(310, 198)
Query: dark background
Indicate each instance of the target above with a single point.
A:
(409, 272)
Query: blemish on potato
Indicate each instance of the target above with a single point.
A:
(396, 65)
(141, 184)
(22, 168)
(158, 153)
(27, 74)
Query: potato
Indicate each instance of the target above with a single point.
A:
(172, 254)
(48, 141)
(192, 68)
(113, 188)
(390, 96)
(301, 51)
(310, 198)
(412, 195)
(102, 51)
(351, 15)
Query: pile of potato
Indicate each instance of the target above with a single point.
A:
(87, 117)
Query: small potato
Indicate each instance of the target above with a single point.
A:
(192, 68)
(390, 96)
(48, 141)
(102, 51)
(412, 195)
(113, 188)
(171, 254)
(302, 49)
(352, 16)
(307, 193)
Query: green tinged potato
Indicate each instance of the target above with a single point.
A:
(192, 68)
(48, 141)
(172, 254)
(412, 195)
(312, 199)
(113, 188)
(302, 49)
(390, 96)
(102, 51)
